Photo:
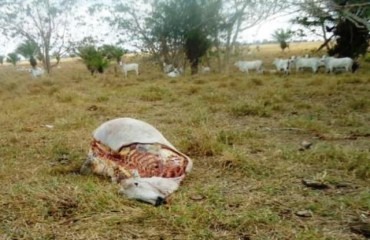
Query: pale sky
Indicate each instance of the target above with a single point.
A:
(259, 32)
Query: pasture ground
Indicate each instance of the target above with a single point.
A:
(243, 132)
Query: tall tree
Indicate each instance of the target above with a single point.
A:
(347, 21)
(1, 59)
(45, 22)
(29, 49)
(183, 26)
(240, 15)
(93, 58)
(13, 58)
(158, 26)
(112, 52)
(316, 20)
(282, 37)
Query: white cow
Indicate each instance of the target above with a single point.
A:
(245, 66)
(332, 63)
(35, 72)
(282, 65)
(174, 73)
(167, 68)
(205, 69)
(129, 67)
(313, 62)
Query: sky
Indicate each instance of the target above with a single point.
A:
(260, 32)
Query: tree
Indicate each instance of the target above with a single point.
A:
(13, 58)
(347, 21)
(29, 49)
(92, 58)
(182, 27)
(238, 16)
(314, 18)
(282, 37)
(158, 26)
(1, 59)
(45, 22)
(112, 52)
(351, 41)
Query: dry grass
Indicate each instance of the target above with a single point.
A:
(243, 132)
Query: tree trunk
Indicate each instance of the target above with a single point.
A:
(325, 37)
(194, 66)
(227, 51)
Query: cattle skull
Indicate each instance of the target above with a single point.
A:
(153, 190)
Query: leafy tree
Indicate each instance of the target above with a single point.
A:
(196, 45)
(92, 58)
(13, 58)
(162, 25)
(182, 25)
(29, 49)
(112, 52)
(45, 22)
(282, 37)
(316, 20)
(351, 41)
(347, 21)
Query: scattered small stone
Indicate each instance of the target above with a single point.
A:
(49, 126)
(197, 197)
(315, 184)
(305, 145)
(92, 108)
(304, 213)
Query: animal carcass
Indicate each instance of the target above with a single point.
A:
(137, 156)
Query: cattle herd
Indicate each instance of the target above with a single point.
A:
(330, 64)
(299, 63)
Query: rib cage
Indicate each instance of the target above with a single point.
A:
(148, 159)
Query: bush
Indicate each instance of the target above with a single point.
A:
(93, 59)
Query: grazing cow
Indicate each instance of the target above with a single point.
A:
(245, 66)
(167, 68)
(332, 64)
(312, 62)
(36, 71)
(137, 156)
(282, 65)
(174, 73)
(129, 67)
(205, 69)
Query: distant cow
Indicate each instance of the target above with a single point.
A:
(129, 67)
(282, 65)
(36, 71)
(174, 73)
(332, 63)
(245, 66)
(308, 62)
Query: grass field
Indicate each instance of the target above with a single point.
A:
(243, 132)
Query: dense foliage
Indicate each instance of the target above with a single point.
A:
(13, 58)
(282, 37)
(346, 21)
(29, 49)
(93, 58)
